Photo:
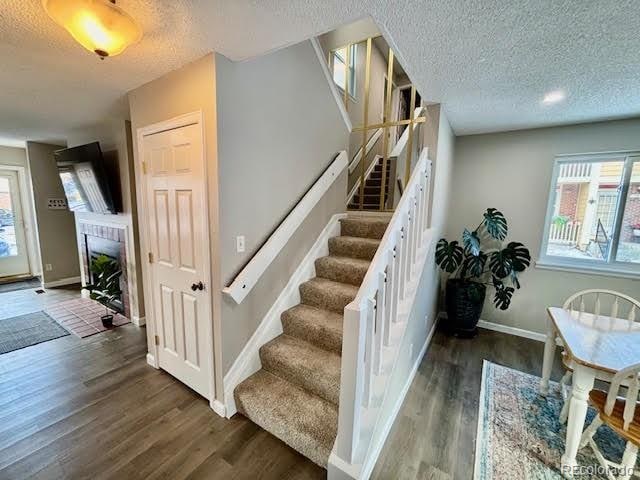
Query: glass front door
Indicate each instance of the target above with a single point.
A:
(14, 260)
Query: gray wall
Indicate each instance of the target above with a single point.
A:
(189, 89)
(511, 171)
(278, 129)
(56, 228)
(17, 156)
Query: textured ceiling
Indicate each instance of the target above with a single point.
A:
(489, 62)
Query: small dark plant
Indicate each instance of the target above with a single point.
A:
(106, 286)
(482, 260)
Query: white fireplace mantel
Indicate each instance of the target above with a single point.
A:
(122, 221)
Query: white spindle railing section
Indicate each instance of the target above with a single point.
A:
(568, 233)
(376, 319)
(581, 170)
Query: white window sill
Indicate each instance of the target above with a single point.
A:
(606, 271)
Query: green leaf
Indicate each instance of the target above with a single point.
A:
(502, 298)
(495, 223)
(519, 256)
(471, 242)
(475, 264)
(500, 264)
(448, 255)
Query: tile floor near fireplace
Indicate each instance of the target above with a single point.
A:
(81, 316)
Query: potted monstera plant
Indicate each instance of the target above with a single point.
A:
(481, 261)
(106, 286)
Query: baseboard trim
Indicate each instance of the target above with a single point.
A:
(248, 361)
(138, 321)
(498, 327)
(151, 360)
(62, 282)
(518, 332)
(371, 460)
(218, 407)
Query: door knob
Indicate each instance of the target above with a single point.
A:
(197, 286)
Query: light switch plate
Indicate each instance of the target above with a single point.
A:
(240, 243)
(57, 204)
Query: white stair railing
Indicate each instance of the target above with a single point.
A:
(376, 319)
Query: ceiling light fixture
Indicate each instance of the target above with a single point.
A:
(554, 97)
(100, 26)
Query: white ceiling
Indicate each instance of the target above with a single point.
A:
(489, 62)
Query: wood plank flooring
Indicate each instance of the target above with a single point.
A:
(434, 434)
(92, 408)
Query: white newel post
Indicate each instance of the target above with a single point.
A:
(351, 382)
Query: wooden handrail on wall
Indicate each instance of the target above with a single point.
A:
(244, 282)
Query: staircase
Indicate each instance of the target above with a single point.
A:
(372, 189)
(296, 393)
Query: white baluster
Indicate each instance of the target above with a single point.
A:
(396, 279)
(390, 302)
(632, 316)
(614, 308)
(370, 314)
(404, 257)
(596, 309)
(381, 313)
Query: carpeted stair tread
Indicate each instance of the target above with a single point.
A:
(327, 294)
(363, 227)
(312, 368)
(322, 328)
(342, 269)
(354, 247)
(305, 422)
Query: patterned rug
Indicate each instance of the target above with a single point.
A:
(26, 330)
(519, 435)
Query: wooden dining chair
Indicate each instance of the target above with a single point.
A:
(622, 415)
(598, 302)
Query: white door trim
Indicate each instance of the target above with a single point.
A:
(194, 118)
(26, 202)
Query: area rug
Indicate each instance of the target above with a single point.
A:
(26, 330)
(519, 435)
(81, 316)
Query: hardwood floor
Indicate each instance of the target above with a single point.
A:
(433, 436)
(92, 408)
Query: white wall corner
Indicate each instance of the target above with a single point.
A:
(151, 360)
(218, 407)
(138, 321)
(248, 361)
(332, 86)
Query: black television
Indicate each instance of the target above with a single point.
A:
(84, 178)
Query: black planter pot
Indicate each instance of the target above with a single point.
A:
(463, 302)
(107, 321)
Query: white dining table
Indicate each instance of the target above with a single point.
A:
(597, 346)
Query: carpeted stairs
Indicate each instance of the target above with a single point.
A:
(295, 395)
(372, 189)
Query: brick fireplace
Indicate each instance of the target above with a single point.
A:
(94, 240)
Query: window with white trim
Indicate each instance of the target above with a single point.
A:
(343, 65)
(593, 213)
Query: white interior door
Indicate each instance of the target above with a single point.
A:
(179, 244)
(14, 258)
